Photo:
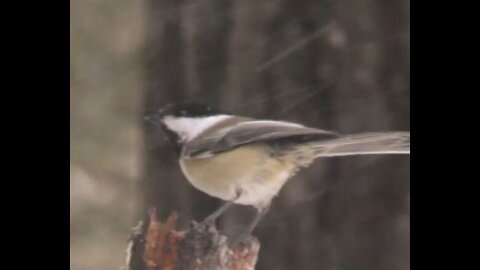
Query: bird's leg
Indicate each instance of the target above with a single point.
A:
(210, 220)
(243, 237)
(260, 213)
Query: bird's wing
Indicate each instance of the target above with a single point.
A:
(252, 132)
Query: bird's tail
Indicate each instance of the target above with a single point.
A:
(364, 144)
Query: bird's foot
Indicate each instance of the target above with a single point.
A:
(210, 223)
(244, 238)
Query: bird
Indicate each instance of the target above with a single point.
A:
(246, 161)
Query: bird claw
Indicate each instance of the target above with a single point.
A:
(210, 223)
(243, 238)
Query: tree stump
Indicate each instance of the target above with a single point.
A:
(160, 246)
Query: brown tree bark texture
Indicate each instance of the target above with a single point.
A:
(160, 246)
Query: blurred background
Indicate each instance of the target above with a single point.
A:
(341, 65)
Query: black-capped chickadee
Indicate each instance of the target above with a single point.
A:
(247, 161)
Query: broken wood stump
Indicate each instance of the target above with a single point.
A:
(160, 246)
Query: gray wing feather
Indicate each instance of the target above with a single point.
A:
(251, 132)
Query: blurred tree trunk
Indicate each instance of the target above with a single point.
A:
(340, 65)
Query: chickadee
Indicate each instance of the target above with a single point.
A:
(247, 161)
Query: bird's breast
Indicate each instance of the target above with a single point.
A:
(250, 171)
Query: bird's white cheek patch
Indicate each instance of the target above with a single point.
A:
(188, 128)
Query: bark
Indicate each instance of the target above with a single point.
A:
(160, 246)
